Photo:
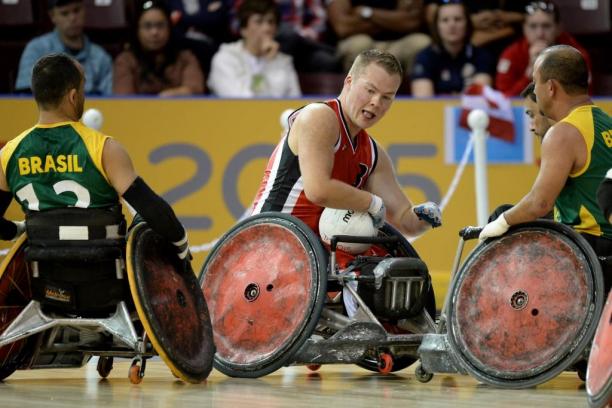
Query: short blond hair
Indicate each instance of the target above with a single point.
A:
(384, 59)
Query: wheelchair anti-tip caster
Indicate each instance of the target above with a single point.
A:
(422, 375)
(385, 363)
(105, 366)
(313, 367)
(137, 370)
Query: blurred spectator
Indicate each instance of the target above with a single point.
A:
(302, 27)
(68, 17)
(451, 63)
(389, 25)
(202, 25)
(541, 29)
(254, 66)
(496, 22)
(538, 122)
(153, 64)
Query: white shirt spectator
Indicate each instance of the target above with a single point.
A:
(236, 73)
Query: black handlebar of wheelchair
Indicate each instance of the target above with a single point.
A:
(362, 240)
(468, 233)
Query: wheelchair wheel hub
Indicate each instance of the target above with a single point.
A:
(251, 293)
(519, 300)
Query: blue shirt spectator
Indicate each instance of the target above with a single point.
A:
(447, 73)
(68, 16)
(451, 63)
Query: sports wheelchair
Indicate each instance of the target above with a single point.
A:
(64, 298)
(275, 299)
(522, 308)
(599, 371)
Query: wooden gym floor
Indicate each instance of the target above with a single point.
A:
(333, 386)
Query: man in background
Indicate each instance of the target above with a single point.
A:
(68, 17)
(538, 122)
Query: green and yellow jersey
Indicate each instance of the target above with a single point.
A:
(57, 166)
(577, 204)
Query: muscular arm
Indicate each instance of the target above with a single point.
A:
(156, 212)
(563, 151)
(383, 183)
(312, 137)
(118, 166)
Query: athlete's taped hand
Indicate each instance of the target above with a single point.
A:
(429, 212)
(377, 211)
(495, 228)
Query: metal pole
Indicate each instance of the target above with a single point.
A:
(478, 121)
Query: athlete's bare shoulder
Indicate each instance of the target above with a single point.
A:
(564, 133)
(318, 112)
(564, 143)
(316, 123)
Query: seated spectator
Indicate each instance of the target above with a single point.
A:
(541, 29)
(302, 27)
(153, 64)
(68, 17)
(388, 25)
(254, 66)
(497, 23)
(201, 26)
(451, 63)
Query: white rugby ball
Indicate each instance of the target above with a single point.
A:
(93, 118)
(346, 222)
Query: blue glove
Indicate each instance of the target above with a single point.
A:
(377, 211)
(429, 212)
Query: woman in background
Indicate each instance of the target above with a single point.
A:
(451, 63)
(153, 64)
(254, 66)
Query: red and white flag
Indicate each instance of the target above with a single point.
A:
(495, 104)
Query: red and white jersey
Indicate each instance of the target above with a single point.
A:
(282, 188)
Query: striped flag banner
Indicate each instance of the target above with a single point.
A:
(495, 104)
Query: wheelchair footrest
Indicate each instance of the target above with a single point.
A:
(351, 344)
(436, 355)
